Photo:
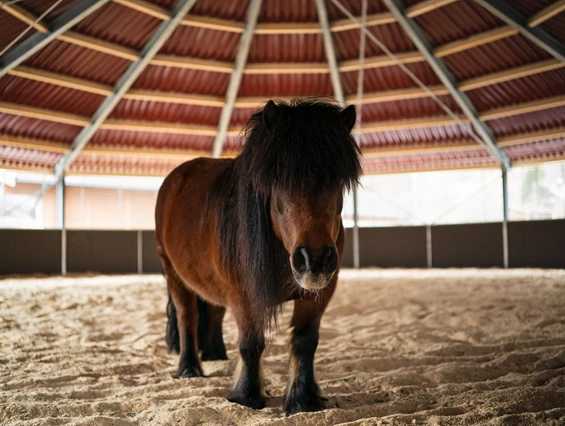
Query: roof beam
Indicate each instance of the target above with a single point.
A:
(285, 67)
(518, 21)
(24, 16)
(324, 21)
(161, 127)
(126, 80)
(98, 45)
(62, 80)
(146, 8)
(254, 101)
(381, 151)
(475, 40)
(511, 74)
(203, 130)
(547, 13)
(235, 79)
(419, 40)
(282, 27)
(123, 52)
(43, 114)
(39, 40)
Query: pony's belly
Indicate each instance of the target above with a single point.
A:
(207, 285)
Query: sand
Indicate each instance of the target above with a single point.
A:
(438, 347)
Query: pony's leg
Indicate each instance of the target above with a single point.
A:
(210, 336)
(302, 392)
(248, 387)
(184, 301)
(172, 336)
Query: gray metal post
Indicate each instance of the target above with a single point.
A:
(360, 76)
(429, 258)
(60, 202)
(140, 252)
(235, 79)
(505, 212)
(60, 206)
(338, 94)
(355, 241)
(324, 21)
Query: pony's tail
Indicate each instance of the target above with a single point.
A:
(172, 336)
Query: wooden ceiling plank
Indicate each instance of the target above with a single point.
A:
(25, 16)
(43, 114)
(547, 13)
(474, 41)
(40, 75)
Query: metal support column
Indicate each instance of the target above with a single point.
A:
(505, 217)
(324, 21)
(60, 205)
(235, 79)
(355, 241)
(325, 28)
(429, 257)
(360, 79)
(140, 252)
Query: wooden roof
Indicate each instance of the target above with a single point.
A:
(172, 111)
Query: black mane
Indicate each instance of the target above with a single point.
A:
(302, 147)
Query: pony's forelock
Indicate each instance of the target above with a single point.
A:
(306, 149)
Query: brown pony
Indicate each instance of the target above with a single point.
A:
(253, 232)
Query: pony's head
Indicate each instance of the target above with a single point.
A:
(301, 157)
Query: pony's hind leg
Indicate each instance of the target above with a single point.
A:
(172, 336)
(248, 387)
(185, 307)
(302, 392)
(210, 336)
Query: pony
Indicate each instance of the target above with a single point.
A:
(253, 232)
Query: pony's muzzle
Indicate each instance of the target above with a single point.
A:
(313, 270)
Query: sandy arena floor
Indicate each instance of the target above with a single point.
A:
(440, 347)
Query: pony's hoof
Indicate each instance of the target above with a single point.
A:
(187, 373)
(256, 402)
(294, 404)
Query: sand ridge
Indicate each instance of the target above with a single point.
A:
(439, 347)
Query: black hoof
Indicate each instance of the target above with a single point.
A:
(298, 404)
(256, 402)
(188, 372)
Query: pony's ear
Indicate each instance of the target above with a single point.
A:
(270, 114)
(348, 117)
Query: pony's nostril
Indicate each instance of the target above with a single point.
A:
(324, 262)
(301, 259)
(329, 260)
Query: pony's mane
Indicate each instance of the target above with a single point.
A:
(305, 148)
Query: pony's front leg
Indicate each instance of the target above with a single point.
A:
(302, 391)
(248, 387)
